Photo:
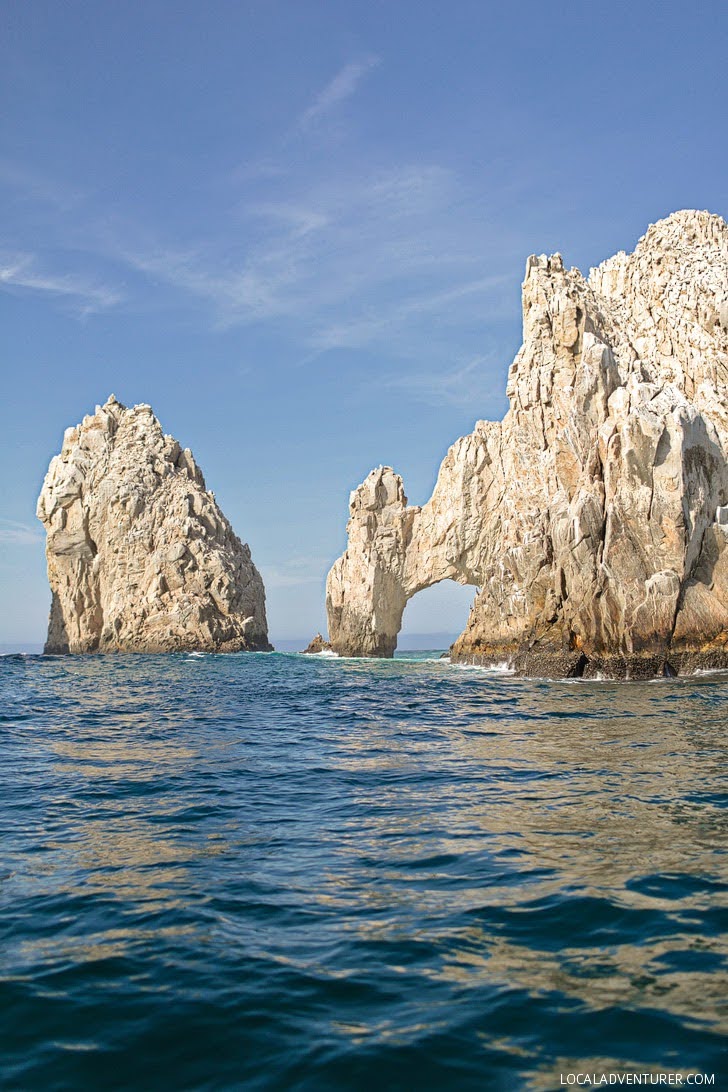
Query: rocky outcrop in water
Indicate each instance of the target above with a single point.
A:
(140, 557)
(593, 518)
(316, 646)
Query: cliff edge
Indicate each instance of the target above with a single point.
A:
(140, 557)
(593, 518)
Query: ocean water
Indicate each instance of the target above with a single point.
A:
(288, 872)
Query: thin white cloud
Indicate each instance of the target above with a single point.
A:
(21, 271)
(347, 261)
(349, 258)
(300, 220)
(362, 332)
(13, 533)
(464, 385)
(342, 87)
(245, 294)
(26, 183)
(295, 572)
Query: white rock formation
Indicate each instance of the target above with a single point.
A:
(140, 557)
(592, 518)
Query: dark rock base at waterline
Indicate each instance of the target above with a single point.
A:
(576, 665)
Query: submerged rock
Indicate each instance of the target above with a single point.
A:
(140, 557)
(593, 518)
(318, 644)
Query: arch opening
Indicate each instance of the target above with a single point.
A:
(435, 617)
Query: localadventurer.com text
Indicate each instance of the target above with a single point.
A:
(676, 1079)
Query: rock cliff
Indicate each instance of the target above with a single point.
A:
(593, 518)
(140, 557)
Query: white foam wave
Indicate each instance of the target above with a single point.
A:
(326, 653)
(503, 668)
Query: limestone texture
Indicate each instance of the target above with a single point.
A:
(140, 557)
(593, 519)
(317, 645)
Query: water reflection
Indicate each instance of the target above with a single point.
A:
(409, 850)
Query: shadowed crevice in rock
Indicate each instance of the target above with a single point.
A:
(590, 518)
(58, 640)
(140, 557)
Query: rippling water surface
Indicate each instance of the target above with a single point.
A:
(287, 872)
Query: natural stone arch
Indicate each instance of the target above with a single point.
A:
(591, 517)
(434, 616)
(394, 552)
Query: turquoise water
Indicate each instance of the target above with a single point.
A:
(286, 872)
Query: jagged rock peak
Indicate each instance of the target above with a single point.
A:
(316, 646)
(140, 557)
(593, 518)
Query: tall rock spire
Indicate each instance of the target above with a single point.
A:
(140, 557)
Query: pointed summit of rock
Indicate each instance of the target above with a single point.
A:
(140, 557)
(594, 517)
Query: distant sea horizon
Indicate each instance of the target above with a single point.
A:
(413, 642)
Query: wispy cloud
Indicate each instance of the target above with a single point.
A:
(463, 385)
(348, 262)
(29, 185)
(21, 271)
(241, 294)
(295, 572)
(13, 533)
(298, 218)
(362, 332)
(340, 255)
(341, 87)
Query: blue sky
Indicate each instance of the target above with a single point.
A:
(298, 230)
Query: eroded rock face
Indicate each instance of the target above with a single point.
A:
(593, 518)
(140, 557)
(316, 646)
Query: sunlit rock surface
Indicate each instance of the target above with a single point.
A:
(594, 518)
(140, 557)
(316, 646)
